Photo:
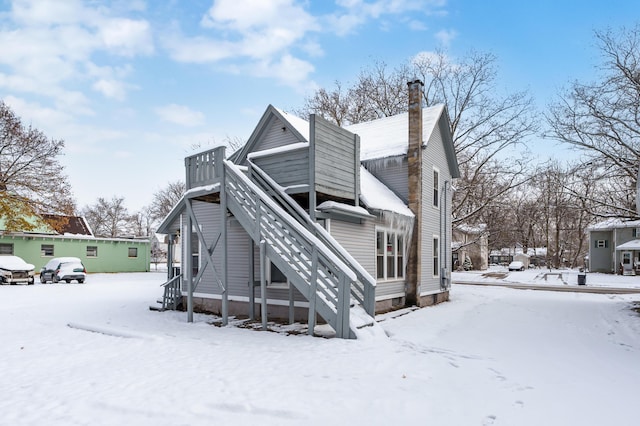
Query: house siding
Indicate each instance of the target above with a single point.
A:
(286, 168)
(433, 218)
(359, 239)
(275, 137)
(393, 172)
(336, 154)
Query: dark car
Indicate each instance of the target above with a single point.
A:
(65, 269)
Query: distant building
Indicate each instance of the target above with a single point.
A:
(470, 242)
(73, 237)
(614, 246)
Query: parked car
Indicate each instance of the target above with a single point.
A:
(14, 270)
(516, 265)
(63, 269)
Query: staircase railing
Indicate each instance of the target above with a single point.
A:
(311, 267)
(172, 295)
(363, 290)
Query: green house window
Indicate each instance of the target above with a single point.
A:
(6, 248)
(46, 250)
(92, 251)
(133, 251)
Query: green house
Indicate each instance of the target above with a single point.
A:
(74, 238)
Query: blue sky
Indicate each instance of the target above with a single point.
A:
(131, 85)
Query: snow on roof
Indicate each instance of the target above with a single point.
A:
(388, 136)
(629, 245)
(278, 150)
(614, 223)
(301, 125)
(472, 229)
(333, 205)
(375, 195)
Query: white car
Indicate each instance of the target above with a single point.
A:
(14, 270)
(65, 269)
(516, 265)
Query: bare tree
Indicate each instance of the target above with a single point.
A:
(487, 127)
(31, 178)
(140, 223)
(601, 120)
(108, 218)
(165, 199)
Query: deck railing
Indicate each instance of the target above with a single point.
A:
(204, 168)
(363, 290)
(312, 268)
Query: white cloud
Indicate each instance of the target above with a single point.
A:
(126, 36)
(111, 89)
(180, 114)
(446, 36)
(51, 44)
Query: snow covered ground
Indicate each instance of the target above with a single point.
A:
(94, 354)
(546, 277)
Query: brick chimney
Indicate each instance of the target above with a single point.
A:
(414, 157)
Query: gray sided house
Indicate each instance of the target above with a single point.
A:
(614, 247)
(74, 238)
(310, 220)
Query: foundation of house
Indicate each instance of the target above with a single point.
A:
(281, 312)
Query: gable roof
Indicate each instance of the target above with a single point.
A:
(75, 225)
(389, 136)
(296, 125)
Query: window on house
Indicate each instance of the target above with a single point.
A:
(92, 251)
(195, 253)
(400, 257)
(133, 251)
(6, 248)
(436, 184)
(380, 255)
(275, 277)
(636, 232)
(602, 244)
(389, 255)
(46, 250)
(436, 256)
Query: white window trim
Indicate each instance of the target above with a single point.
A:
(436, 271)
(396, 233)
(434, 187)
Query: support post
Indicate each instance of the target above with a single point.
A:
(312, 291)
(252, 280)
(292, 307)
(225, 247)
(188, 272)
(263, 283)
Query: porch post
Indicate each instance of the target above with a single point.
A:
(252, 280)
(188, 272)
(223, 231)
(263, 283)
